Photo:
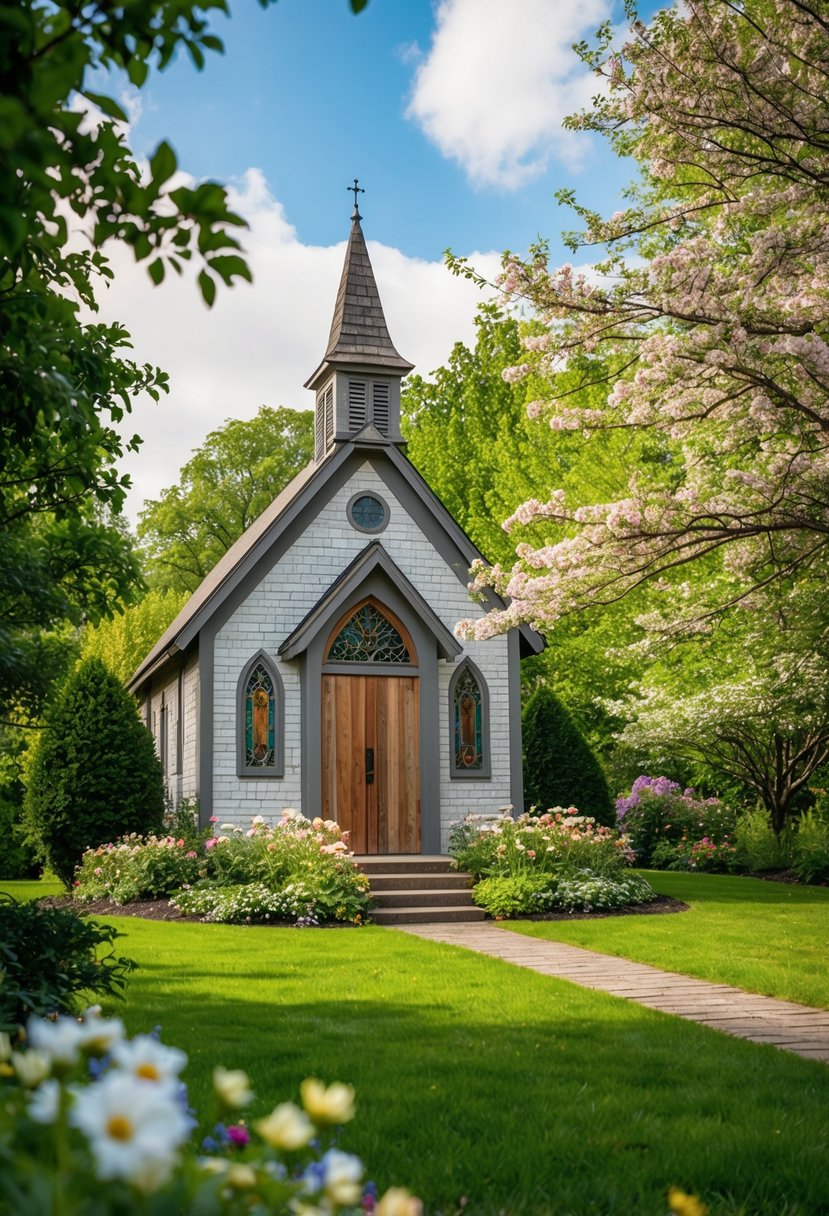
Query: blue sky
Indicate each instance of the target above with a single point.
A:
(450, 115)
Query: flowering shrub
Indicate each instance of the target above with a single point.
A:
(579, 891)
(93, 1122)
(658, 810)
(702, 854)
(296, 868)
(138, 867)
(536, 844)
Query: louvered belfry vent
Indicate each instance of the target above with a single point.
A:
(380, 406)
(357, 402)
(324, 422)
(361, 368)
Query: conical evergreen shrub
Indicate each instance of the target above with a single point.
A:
(559, 767)
(95, 774)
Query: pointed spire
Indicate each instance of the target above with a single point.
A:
(359, 334)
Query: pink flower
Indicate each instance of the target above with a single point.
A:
(238, 1134)
(211, 843)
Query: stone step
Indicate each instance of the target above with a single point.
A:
(426, 916)
(453, 881)
(414, 863)
(421, 899)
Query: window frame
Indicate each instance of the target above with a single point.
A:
(243, 769)
(355, 498)
(484, 773)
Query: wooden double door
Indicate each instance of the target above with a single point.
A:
(370, 760)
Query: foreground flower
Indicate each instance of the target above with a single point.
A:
(44, 1102)
(685, 1205)
(331, 1104)
(232, 1086)
(61, 1040)
(31, 1066)
(148, 1060)
(397, 1201)
(286, 1127)
(134, 1129)
(337, 1175)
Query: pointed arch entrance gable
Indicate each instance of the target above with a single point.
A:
(407, 692)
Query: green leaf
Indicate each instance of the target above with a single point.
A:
(107, 105)
(156, 271)
(207, 287)
(163, 163)
(229, 265)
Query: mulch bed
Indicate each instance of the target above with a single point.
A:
(162, 909)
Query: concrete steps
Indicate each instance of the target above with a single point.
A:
(418, 890)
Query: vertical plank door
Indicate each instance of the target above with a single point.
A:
(380, 714)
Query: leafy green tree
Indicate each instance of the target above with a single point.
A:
(228, 482)
(559, 767)
(94, 775)
(122, 641)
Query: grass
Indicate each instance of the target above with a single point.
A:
(767, 937)
(23, 889)
(481, 1081)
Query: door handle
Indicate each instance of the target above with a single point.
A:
(369, 766)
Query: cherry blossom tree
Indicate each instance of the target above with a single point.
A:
(705, 320)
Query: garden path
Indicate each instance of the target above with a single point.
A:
(746, 1015)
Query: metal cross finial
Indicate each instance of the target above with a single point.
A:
(355, 189)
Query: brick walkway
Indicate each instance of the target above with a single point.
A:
(796, 1028)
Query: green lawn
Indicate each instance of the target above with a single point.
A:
(767, 937)
(476, 1079)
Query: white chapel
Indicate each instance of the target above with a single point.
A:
(316, 666)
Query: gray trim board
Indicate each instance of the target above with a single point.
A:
(373, 557)
(204, 764)
(516, 751)
(484, 773)
(243, 769)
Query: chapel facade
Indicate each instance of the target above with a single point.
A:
(316, 666)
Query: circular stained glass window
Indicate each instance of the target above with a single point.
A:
(368, 513)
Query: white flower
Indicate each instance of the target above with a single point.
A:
(100, 1035)
(232, 1086)
(286, 1127)
(334, 1104)
(44, 1102)
(341, 1181)
(31, 1066)
(60, 1039)
(134, 1129)
(148, 1060)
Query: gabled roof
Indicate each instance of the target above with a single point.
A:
(373, 557)
(359, 334)
(263, 538)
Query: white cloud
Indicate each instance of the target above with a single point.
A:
(259, 343)
(497, 81)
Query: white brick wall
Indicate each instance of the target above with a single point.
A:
(281, 601)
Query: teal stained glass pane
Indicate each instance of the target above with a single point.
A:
(260, 720)
(468, 714)
(368, 512)
(368, 637)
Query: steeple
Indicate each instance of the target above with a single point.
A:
(358, 382)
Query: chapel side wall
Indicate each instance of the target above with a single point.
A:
(164, 695)
(284, 597)
(190, 728)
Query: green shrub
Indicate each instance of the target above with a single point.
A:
(505, 897)
(559, 767)
(810, 848)
(658, 811)
(95, 775)
(17, 857)
(757, 848)
(587, 892)
(702, 855)
(49, 958)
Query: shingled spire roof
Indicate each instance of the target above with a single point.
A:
(359, 334)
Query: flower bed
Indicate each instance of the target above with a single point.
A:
(298, 870)
(560, 860)
(91, 1121)
(673, 829)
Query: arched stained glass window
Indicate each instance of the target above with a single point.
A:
(369, 637)
(469, 726)
(468, 722)
(260, 700)
(260, 733)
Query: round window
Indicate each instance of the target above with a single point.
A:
(368, 513)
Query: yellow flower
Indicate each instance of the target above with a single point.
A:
(398, 1202)
(241, 1176)
(685, 1205)
(31, 1067)
(232, 1086)
(286, 1127)
(334, 1104)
